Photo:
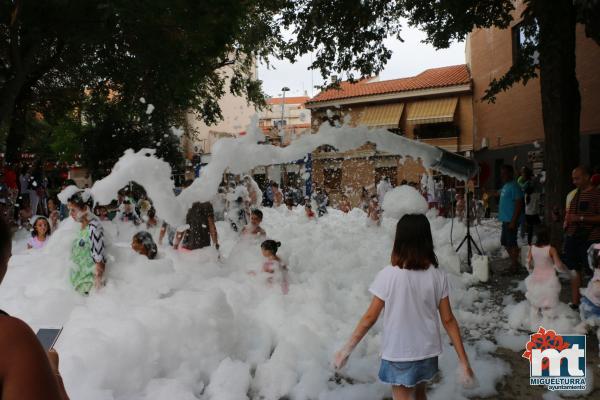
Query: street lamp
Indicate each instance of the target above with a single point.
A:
(284, 89)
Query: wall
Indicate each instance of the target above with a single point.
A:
(237, 115)
(360, 172)
(516, 117)
(359, 165)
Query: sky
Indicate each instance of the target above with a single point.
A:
(408, 59)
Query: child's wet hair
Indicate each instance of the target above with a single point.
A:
(258, 213)
(270, 245)
(542, 236)
(413, 244)
(145, 239)
(81, 200)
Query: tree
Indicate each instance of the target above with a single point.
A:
(177, 54)
(348, 35)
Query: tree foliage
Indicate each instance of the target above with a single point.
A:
(179, 55)
(183, 55)
(348, 36)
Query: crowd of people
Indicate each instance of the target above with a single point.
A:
(412, 293)
(578, 257)
(407, 369)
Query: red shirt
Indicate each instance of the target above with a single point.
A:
(595, 180)
(10, 178)
(586, 204)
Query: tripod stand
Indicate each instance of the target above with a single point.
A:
(468, 238)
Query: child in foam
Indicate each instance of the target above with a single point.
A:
(102, 213)
(39, 234)
(273, 265)
(411, 292)
(590, 302)
(142, 243)
(127, 212)
(254, 228)
(310, 214)
(542, 284)
(374, 212)
(87, 251)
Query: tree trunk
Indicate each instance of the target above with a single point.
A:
(561, 103)
(16, 133)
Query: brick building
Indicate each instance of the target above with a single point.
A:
(434, 106)
(513, 124)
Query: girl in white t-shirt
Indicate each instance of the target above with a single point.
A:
(411, 292)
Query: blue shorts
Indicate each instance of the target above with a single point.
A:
(408, 373)
(588, 310)
(508, 238)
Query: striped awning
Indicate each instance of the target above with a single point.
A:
(382, 115)
(431, 111)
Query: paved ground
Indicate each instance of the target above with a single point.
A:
(516, 386)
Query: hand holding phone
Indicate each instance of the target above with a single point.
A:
(48, 337)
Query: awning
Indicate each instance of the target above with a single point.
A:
(431, 111)
(382, 115)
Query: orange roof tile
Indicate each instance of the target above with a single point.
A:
(288, 100)
(430, 78)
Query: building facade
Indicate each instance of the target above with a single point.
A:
(237, 115)
(513, 126)
(434, 106)
(285, 118)
(282, 121)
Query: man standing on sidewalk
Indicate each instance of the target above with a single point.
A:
(509, 213)
(582, 227)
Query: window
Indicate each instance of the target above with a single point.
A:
(436, 131)
(331, 116)
(498, 163)
(261, 181)
(279, 123)
(292, 179)
(332, 179)
(390, 172)
(524, 41)
(325, 148)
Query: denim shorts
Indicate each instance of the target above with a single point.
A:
(508, 238)
(408, 373)
(588, 310)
